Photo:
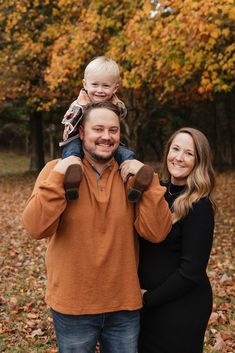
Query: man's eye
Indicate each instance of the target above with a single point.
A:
(113, 131)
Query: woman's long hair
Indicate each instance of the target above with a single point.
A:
(200, 182)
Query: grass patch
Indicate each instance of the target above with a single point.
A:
(12, 163)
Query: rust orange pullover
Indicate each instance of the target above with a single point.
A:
(92, 253)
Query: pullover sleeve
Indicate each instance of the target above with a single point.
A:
(197, 237)
(153, 217)
(46, 204)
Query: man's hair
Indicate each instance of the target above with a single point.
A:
(103, 64)
(100, 105)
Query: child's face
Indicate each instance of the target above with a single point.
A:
(100, 86)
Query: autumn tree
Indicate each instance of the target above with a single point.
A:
(48, 43)
(26, 37)
(171, 54)
(183, 52)
(98, 24)
(181, 49)
(89, 32)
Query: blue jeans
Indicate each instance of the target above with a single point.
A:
(117, 332)
(74, 148)
(123, 154)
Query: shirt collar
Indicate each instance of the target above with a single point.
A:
(88, 161)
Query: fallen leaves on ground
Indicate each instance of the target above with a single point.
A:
(25, 321)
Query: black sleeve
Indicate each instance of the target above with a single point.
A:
(197, 237)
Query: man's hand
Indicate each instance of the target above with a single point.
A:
(130, 167)
(63, 164)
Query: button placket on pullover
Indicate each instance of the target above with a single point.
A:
(102, 178)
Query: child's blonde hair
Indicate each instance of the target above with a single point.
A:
(103, 64)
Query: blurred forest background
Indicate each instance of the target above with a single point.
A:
(177, 60)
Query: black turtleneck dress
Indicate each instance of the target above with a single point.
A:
(178, 301)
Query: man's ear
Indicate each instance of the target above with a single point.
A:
(81, 132)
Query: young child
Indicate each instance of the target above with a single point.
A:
(100, 83)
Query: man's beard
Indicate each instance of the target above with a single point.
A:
(97, 157)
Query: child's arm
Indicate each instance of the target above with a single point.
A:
(71, 143)
(71, 120)
(73, 115)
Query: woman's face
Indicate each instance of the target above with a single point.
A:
(181, 158)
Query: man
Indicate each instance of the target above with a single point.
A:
(92, 253)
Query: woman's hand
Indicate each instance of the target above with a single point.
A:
(143, 291)
(130, 167)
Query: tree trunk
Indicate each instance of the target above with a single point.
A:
(215, 135)
(37, 161)
(230, 111)
(131, 122)
(51, 133)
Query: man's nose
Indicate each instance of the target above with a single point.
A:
(106, 135)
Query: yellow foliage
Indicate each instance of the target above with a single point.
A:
(226, 32)
(48, 43)
(215, 34)
(232, 13)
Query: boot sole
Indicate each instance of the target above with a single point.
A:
(72, 179)
(143, 179)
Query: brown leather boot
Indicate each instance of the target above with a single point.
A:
(142, 181)
(72, 179)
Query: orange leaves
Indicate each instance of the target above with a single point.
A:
(19, 33)
(25, 322)
(99, 29)
(164, 45)
(221, 271)
(183, 41)
(22, 276)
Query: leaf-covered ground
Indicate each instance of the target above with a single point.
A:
(25, 322)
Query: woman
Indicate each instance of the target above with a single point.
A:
(176, 291)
